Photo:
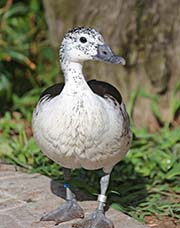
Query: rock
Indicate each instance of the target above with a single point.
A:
(24, 198)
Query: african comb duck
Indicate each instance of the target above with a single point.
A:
(82, 124)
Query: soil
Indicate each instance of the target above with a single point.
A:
(164, 222)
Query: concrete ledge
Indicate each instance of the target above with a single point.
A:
(24, 198)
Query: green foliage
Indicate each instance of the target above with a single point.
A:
(174, 105)
(24, 50)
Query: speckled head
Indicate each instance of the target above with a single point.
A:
(81, 44)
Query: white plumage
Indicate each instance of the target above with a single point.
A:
(82, 124)
(80, 129)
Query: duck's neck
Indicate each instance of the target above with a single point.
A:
(72, 72)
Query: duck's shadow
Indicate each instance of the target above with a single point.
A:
(127, 187)
(58, 189)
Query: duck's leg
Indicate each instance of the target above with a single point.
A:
(69, 210)
(98, 219)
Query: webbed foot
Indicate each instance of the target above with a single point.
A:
(96, 220)
(68, 211)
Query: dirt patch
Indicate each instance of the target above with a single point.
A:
(165, 222)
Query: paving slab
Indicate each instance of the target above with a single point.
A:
(24, 198)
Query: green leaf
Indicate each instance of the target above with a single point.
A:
(20, 58)
(156, 110)
(175, 105)
(177, 88)
(16, 9)
(5, 89)
(175, 171)
(117, 207)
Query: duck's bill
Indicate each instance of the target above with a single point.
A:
(105, 54)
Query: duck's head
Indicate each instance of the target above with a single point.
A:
(81, 44)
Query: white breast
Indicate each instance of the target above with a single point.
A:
(81, 130)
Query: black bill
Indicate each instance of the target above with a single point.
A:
(105, 53)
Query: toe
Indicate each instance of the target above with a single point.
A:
(70, 210)
(77, 211)
(103, 222)
(95, 220)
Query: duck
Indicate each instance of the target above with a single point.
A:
(82, 124)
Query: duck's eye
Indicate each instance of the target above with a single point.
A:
(83, 39)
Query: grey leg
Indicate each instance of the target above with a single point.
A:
(70, 209)
(104, 186)
(67, 176)
(98, 219)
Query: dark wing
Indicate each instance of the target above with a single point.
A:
(101, 88)
(105, 89)
(52, 91)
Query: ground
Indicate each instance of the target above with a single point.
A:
(26, 197)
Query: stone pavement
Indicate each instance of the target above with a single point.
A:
(24, 198)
